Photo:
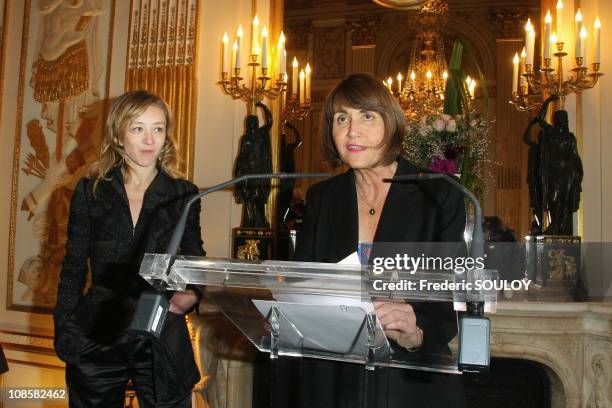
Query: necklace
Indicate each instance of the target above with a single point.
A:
(372, 206)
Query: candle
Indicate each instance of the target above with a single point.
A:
(515, 72)
(399, 82)
(238, 46)
(390, 84)
(445, 77)
(597, 42)
(236, 59)
(307, 81)
(225, 54)
(428, 75)
(254, 34)
(581, 44)
(579, 50)
(264, 47)
(523, 80)
(547, 28)
(302, 75)
(559, 16)
(529, 42)
(294, 77)
(282, 54)
(413, 79)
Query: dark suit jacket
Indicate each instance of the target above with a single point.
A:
(100, 230)
(429, 211)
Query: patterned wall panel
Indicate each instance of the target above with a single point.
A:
(161, 59)
(329, 52)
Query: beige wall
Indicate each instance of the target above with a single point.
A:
(26, 336)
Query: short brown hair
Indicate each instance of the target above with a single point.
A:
(364, 92)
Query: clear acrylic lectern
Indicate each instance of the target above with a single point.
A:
(318, 310)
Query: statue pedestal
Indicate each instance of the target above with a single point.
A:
(553, 265)
(253, 243)
(262, 243)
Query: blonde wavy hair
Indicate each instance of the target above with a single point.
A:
(123, 111)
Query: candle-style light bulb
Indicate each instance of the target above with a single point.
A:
(559, 16)
(547, 28)
(239, 35)
(581, 43)
(224, 54)
(412, 76)
(578, 46)
(236, 55)
(399, 82)
(254, 36)
(294, 77)
(597, 41)
(529, 42)
(553, 38)
(307, 70)
(302, 93)
(445, 78)
(282, 54)
(264, 47)
(515, 72)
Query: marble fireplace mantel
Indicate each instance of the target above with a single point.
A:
(573, 341)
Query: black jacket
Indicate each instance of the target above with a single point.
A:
(101, 231)
(429, 211)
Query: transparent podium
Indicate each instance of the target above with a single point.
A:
(320, 310)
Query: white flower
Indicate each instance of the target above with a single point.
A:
(446, 117)
(438, 125)
(451, 126)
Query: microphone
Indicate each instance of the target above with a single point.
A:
(153, 306)
(475, 328)
(477, 245)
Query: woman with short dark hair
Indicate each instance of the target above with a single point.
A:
(363, 127)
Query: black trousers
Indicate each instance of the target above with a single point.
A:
(104, 369)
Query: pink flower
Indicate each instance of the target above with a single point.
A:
(446, 117)
(438, 125)
(441, 165)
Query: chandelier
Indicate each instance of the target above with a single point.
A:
(422, 90)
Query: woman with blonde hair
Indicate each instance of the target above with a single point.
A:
(127, 207)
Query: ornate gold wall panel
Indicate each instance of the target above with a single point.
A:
(161, 59)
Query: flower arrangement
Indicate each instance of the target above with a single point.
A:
(450, 144)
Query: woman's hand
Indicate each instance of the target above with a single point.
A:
(181, 302)
(399, 323)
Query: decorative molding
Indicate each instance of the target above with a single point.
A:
(27, 342)
(297, 36)
(506, 22)
(364, 30)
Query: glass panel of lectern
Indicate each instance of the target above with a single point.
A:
(320, 310)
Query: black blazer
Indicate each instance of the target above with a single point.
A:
(428, 211)
(100, 230)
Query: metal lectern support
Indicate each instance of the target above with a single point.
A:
(369, 374)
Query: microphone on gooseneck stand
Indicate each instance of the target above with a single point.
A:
(474, 327)
(153, 306)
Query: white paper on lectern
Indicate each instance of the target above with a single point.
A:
(329, 328)
(311, 299)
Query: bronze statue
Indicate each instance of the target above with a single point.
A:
(255, 157)
(556, 179)
(287, 165)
